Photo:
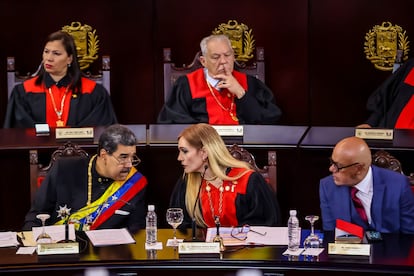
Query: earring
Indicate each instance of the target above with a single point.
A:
(69, 65)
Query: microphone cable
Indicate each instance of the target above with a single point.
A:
(193, 223)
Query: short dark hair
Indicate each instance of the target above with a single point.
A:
(115, 135)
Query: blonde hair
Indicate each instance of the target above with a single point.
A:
(204, 136)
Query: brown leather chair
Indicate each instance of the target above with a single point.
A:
(14, 77)
(38, 171)
(268, 171)
(384, 159)
(172, 72)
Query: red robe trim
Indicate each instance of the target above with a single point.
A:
(228, 216)
(58, 92)
(200, 89)
(406, 117)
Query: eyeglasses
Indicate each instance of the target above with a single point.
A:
(240, 233)
(124, 159)
(337, 168)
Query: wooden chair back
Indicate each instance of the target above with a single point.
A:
(384, 159)
(38, 171)
(268, 171)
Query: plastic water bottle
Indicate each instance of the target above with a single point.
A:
(151, 226)
(293, 231)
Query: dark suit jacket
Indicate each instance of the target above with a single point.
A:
(392, 207)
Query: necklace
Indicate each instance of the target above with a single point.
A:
(230, 110)
(210, 200)
(59, 113)
(88, 202)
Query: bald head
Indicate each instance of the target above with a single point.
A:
(352, 150)
(351, 160)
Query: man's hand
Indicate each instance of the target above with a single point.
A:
(229, 82)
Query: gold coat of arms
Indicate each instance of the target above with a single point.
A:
(383, 42)
(241, 38)
(86, 42)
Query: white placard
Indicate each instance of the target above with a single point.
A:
(229, 130)
(71, 133)
(57, 248)
(361, 249)
(374, 133)
(199, 248)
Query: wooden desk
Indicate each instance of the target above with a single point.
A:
(18, 138)
(274, 136)
(394, 255)
(327, 137)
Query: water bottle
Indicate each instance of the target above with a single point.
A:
(293, 231)
(151, 226)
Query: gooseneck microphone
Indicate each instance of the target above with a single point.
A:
(193, 223)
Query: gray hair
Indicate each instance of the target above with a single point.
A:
(115, 135)
(206, 40)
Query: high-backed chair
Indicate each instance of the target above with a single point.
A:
(38, 171)
(268, 171)
(172, 72)
(14, 77)
(384, 159)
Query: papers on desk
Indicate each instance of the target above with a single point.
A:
(105, 237)
(272, 236)
(8, 239)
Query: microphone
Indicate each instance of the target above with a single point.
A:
(193, 223)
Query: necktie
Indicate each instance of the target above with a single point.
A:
(358, 204)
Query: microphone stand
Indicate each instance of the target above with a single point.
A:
(218, 238)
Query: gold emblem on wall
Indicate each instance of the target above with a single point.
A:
(381, 45)
(86, 42)
(241, 38)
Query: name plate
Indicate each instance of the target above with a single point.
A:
(71, 133)
(362, 249)
(57, 248)
(374, 133)
(199, 248)
(229, 130)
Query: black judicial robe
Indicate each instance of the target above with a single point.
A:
(257, 106)
(258, 206)
(89, 108)
(67, 184)
(389, 99)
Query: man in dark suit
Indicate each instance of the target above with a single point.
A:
(385, 197)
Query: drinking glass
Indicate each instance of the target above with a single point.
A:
(43, 237)
(175, 217)
(312, 241)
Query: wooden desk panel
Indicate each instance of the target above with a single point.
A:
(11, 139)
(394, 255)
(327, 137)
(274, 136)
